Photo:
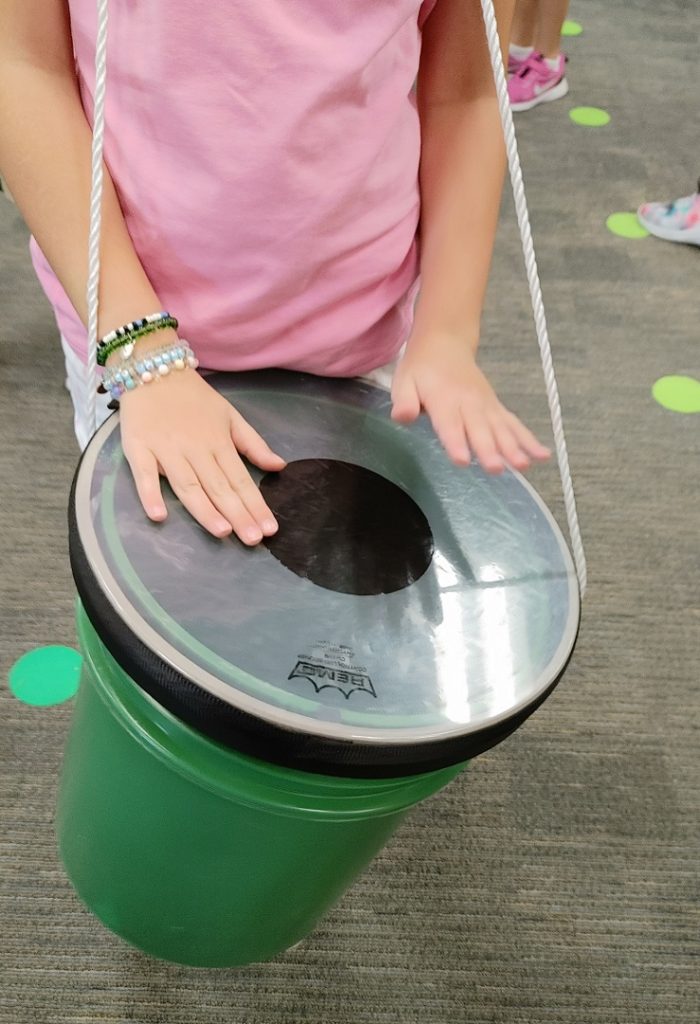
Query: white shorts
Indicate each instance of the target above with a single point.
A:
(75, 383)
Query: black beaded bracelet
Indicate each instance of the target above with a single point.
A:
(129, 333)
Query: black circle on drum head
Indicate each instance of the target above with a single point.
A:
(346, 528)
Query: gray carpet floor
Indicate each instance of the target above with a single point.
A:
(556, 880)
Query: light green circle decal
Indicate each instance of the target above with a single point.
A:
(571, 28)
(46, 676)
(679, 394)
(591, 117)
(625, 225)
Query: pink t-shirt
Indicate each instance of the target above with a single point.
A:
(266, 158)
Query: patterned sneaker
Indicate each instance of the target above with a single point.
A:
(536, 83)
(678, 221)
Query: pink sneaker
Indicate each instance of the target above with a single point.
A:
(536, 83)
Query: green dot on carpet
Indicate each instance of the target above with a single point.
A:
(679, 394)
(46, 675)
(626, 225)
(571, 28)
(591, 117)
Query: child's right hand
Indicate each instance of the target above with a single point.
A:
(185, 430)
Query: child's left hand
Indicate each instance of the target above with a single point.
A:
(440, 377)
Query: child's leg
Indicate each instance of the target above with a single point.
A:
(75, 381)
(550, 19)
(522, 33)
(540, 77)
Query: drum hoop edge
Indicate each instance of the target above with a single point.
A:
(280, 718)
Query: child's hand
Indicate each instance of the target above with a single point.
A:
(184, 429)
(440, 377)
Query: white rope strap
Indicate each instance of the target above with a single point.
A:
(533, 280)
(516, 178)
(93, 284)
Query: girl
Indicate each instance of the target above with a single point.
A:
(266, 168)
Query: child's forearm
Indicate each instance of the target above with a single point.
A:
(461, 181)
(45, 157)
(461, 171)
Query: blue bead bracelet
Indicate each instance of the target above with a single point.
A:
(145, 369)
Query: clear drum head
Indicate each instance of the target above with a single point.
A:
(408, 615)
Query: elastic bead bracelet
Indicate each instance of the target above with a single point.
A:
(146, 369)
(126, 343)
(125, 340)
(152, 318)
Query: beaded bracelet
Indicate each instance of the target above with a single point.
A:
(133, 326)
(125, 337)
(147, 368)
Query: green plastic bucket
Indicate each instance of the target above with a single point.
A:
(252, 725)
(198, 854)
